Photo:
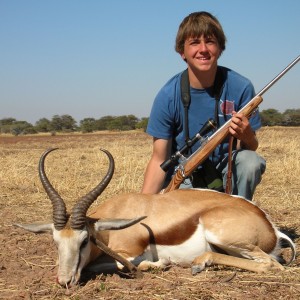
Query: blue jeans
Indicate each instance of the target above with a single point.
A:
(247, 170)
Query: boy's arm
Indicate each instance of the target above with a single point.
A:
(154, 176)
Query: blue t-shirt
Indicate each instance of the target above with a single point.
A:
(167, 115)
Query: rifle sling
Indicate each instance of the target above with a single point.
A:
(186, 100)
(228, 188)
(186, 96)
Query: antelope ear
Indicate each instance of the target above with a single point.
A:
(116, 224)
(36, 227)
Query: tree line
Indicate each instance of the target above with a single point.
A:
(272, 117)
(66, 123)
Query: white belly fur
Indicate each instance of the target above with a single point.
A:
(182, 254)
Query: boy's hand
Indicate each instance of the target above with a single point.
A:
(240, 128)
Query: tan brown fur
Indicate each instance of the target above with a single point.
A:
(173, 218)
(67, 233)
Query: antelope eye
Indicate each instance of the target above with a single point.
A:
(84, 243)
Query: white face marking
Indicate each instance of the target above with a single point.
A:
(73, 254)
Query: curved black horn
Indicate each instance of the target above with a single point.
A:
(59, 207)
(79, 211)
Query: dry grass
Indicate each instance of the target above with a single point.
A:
(27, 261)
(279, 191)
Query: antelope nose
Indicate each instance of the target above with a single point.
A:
(63, 283)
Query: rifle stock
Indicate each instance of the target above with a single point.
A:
(202, 153)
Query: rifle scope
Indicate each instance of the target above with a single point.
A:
(206, 128)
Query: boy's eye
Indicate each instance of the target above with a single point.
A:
(210, 41)
(194, 42)
(197, 41)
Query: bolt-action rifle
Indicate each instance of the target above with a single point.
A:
(187, 165)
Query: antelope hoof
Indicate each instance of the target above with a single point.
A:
(197, 269)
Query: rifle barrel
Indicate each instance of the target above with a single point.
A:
(278, 76)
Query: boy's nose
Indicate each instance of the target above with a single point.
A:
(202, 46)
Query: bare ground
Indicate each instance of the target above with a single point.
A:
(28, 261)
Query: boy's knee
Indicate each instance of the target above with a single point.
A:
(251, 161)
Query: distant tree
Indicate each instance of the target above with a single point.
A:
(132, 121)
(56, 123)
(5, 124)
(88, 125)
(64, 123)
(68, 123)
(271, 117)
(43, 125)
(115, 124)
(7, 121)
(22, 127)
(103, 123)
(5, 129)
(142, 124)
(125, 122)
(291, 117)
(11, 125)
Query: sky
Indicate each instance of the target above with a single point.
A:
(95, 58)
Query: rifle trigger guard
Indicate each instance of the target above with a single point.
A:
(180, 168)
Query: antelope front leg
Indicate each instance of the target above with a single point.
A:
(211, 258)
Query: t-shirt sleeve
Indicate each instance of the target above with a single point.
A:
(160, 124)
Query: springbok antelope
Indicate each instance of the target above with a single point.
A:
(186, 227)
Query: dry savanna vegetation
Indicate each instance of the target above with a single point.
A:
(28, 261)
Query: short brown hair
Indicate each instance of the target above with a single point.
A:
(197, 24)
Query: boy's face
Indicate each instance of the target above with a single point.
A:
(201, 53)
